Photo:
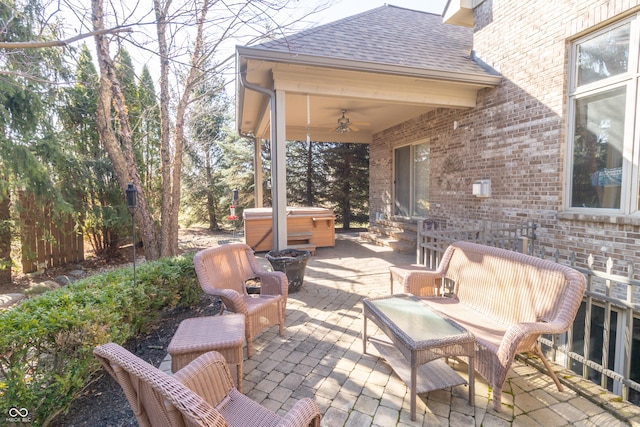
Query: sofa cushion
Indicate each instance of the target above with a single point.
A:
(487, 331)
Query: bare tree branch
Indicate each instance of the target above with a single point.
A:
(28, 77)
(56, 43)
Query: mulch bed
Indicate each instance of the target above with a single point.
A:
(102, 402)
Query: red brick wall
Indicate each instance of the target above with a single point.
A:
(516, 134)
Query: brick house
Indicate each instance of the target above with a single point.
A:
(539, 98)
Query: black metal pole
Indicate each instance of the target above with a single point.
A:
(132, 203)
(133, 242)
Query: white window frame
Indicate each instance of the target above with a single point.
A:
(631, 143)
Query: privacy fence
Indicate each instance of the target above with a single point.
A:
(604, 343)
(46, 240)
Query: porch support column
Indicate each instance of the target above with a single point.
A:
(279, 171)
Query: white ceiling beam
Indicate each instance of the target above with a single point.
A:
(299, 133)
(367, 86)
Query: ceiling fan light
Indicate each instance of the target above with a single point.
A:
(343, 123)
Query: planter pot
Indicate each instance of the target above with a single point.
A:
(252, 285)
(291, 262)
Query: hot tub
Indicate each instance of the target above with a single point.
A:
(307, 228)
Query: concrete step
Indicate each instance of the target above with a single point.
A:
(399, 246)
(396, 233)
(409, 226)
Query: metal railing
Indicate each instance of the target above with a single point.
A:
(611, 303)
(601, 343)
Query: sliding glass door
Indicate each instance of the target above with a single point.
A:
(411, 180)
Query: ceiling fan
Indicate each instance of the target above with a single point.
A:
(346, 125)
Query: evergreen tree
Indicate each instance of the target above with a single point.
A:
(125, 73)
(347, 165)
(304, 173)
(236, 164)
(201, 173)
(101, 204)
(296, 173)
(148, 141)
(29, 149)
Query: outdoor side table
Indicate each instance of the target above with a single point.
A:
(417, 337)
(198, 335)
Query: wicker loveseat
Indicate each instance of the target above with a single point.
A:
(507, 300)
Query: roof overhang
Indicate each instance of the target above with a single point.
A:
(375, 96)
(459, 12)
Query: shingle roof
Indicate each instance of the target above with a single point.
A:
(387, 35)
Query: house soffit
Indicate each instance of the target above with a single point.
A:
(383, 66)
(375, 99)
(460, 12)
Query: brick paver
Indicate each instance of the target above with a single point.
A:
(320, 356)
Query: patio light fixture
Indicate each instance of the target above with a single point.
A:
(344, 124)
(132, 203)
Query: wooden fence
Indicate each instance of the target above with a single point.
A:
(47, 241)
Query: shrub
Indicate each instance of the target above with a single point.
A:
(46, 343)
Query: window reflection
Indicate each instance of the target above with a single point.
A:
(597, 151)
(603, 56)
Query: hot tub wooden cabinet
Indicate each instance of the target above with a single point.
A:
(307, 228)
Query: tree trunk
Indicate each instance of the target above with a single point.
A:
(346, 188)
(5, 240)
(309, 187)
(172, 170)
(120, 151)
(165, 128)
(211, 205)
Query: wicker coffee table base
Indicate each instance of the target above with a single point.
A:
(418, 363)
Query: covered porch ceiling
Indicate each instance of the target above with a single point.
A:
(382, 67)
(317, 90)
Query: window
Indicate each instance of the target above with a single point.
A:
(603, 105)
(616, 351)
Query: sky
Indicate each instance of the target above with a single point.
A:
(338, 10)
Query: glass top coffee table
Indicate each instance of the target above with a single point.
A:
(416, 338)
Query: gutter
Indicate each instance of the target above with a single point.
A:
(243, 80)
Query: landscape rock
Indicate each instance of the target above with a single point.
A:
(63, 280)
(78, 274)
(7, 300)
(42, 287)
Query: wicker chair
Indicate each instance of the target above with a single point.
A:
(223, 271)
(200, 394)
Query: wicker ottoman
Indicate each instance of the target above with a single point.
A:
(198, 335)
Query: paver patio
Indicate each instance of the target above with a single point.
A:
(320, 356)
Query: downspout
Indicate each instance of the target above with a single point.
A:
(279, 218)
